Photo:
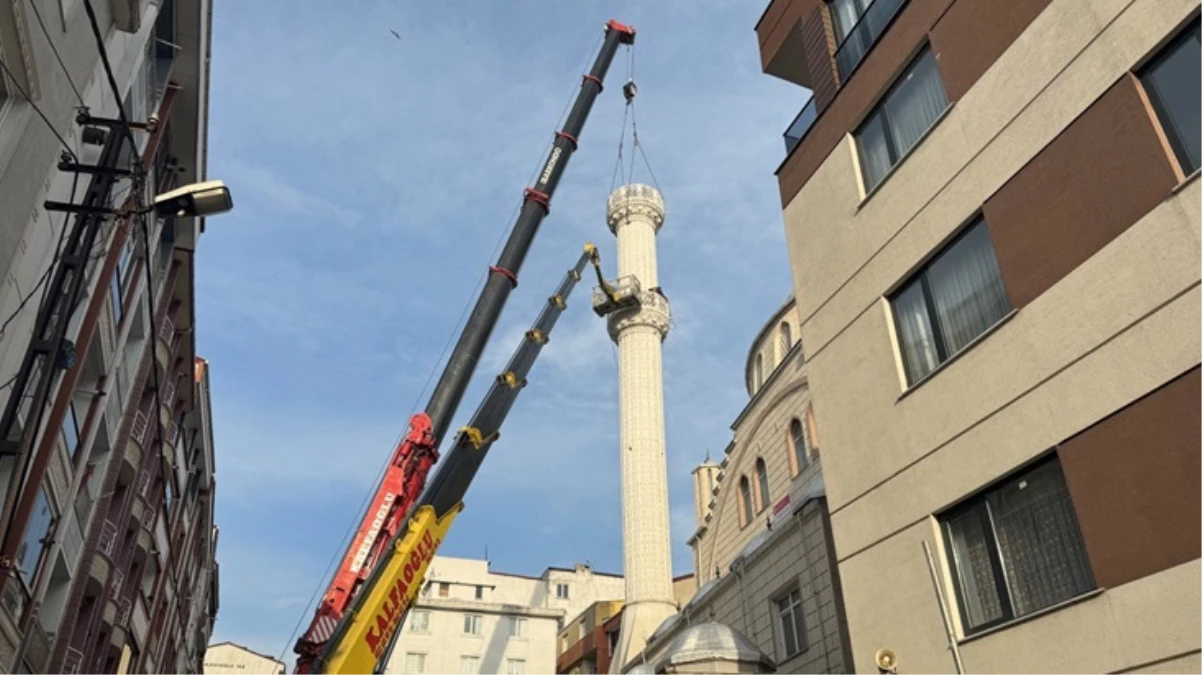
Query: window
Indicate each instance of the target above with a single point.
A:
(517, 627)
(1172, 81)
(790, 624)
(858, 25)
(786, 339)
(952, 300)
(479, 592)
(34, 538)
(761, 480)
(903, 115)
(797, 440)
(419, 621)
(471, 624)
(468, 665)
(745, 510)
(71, 431)
(515, 666)
(1016, 549)
(759, 372)
(118, 296)
(811, 432)
(444, 589)
(415, 663)
(561, 591)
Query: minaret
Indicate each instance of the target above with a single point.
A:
(635, 215)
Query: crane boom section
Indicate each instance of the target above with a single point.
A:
(405, 477)
(365, 636)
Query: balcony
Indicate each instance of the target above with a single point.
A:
(100, 570)
(800, 126)
(782, 49)
(864, 34)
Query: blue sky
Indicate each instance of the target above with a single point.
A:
(372, 179)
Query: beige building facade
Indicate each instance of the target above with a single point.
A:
(992, 213)
(470, 619)
(227, 658)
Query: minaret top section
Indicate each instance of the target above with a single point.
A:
(635, 200)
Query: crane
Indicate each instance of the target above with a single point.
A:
(405, 476)
(362, 642)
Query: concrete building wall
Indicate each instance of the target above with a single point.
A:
(104, 602)
(1050, 137)
(226, 658)
(499, 622)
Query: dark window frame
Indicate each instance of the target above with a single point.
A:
(761, 484)
(746, 501)
(921, 276)
(798, 444)
(979, 502)
(1191, 29)
(880, 111)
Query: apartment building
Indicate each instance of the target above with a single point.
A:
(470, 619)
(992, 215)
(111, 538)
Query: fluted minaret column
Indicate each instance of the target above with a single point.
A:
(636, 213)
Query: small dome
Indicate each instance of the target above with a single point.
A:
(713, 641)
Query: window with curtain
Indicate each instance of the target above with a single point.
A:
(790, 625)
(471, 624)
(858, 25)
(415, 663)
(949, 302)
(761, 480)
(797, 439)
(1173, 81)
(1016, 549)
(786, 339)
(515, 666)
(745, 508)
(469, 665)
(904, 114)
(419, 621)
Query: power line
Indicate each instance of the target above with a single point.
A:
(38, 14)
(29, 99)
(108, 71)
(58, 251)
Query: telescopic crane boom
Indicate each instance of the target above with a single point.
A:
(363, 640)
(405, 476)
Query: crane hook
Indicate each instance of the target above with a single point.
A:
(629, 90)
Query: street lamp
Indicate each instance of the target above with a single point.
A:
(196, 200)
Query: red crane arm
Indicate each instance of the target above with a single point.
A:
(402, 485)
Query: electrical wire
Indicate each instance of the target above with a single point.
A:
(53, 48)
(108, 71)
(58, 251)
(36, 109)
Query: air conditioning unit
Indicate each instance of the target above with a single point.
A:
(127, 14)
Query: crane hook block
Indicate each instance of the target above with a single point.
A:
(630, 90)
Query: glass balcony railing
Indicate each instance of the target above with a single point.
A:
(864, 34)
(800, 126)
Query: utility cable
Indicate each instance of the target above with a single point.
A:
(108, 71)
(53, 48)
(29, 99)
(58, 251)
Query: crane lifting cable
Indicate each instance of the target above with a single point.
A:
(630, 91)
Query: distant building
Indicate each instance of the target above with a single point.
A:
(769, 594)
(227, 657)
(586, 644)
(469, 619)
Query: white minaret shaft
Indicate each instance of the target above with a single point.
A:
(636, 213)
